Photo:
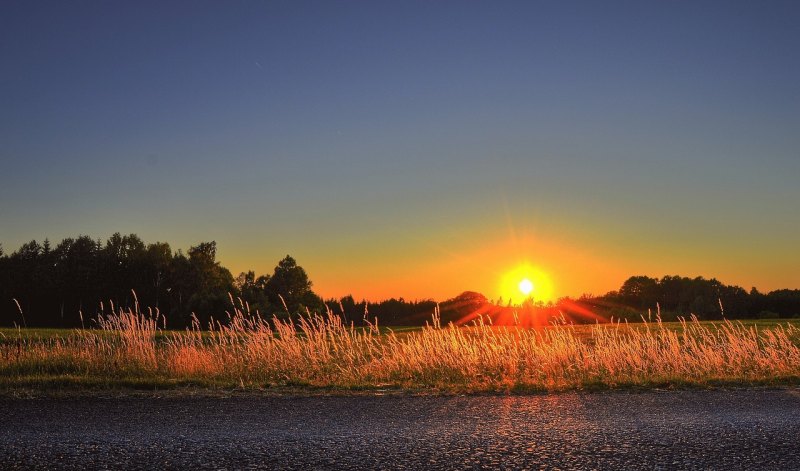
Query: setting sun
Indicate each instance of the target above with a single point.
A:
(525, 286)
(525, 282)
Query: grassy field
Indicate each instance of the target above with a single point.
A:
(130, 351)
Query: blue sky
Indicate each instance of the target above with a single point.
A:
(392, 146)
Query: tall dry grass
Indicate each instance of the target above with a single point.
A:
(321, 351)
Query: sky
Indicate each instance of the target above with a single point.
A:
(413, 149)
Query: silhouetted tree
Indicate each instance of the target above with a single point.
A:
(253, 291)
(641, 291)
(289, 284)
(211, 283)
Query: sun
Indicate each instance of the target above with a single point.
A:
(525, 286)
(525, 282)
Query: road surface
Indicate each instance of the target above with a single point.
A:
(724, 429)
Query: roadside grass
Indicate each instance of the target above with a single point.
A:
(129, 350)
(10, 335)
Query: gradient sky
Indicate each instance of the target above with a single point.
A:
(414, 149)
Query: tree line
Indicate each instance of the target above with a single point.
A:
(708, 299)
(69, 284)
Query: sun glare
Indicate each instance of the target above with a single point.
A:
(525, 282)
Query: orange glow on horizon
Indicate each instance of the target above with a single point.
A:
(442, 267)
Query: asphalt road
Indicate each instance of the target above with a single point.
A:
(728, 429)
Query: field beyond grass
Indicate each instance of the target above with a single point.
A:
(130, 351)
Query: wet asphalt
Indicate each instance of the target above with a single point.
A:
(721, 429)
